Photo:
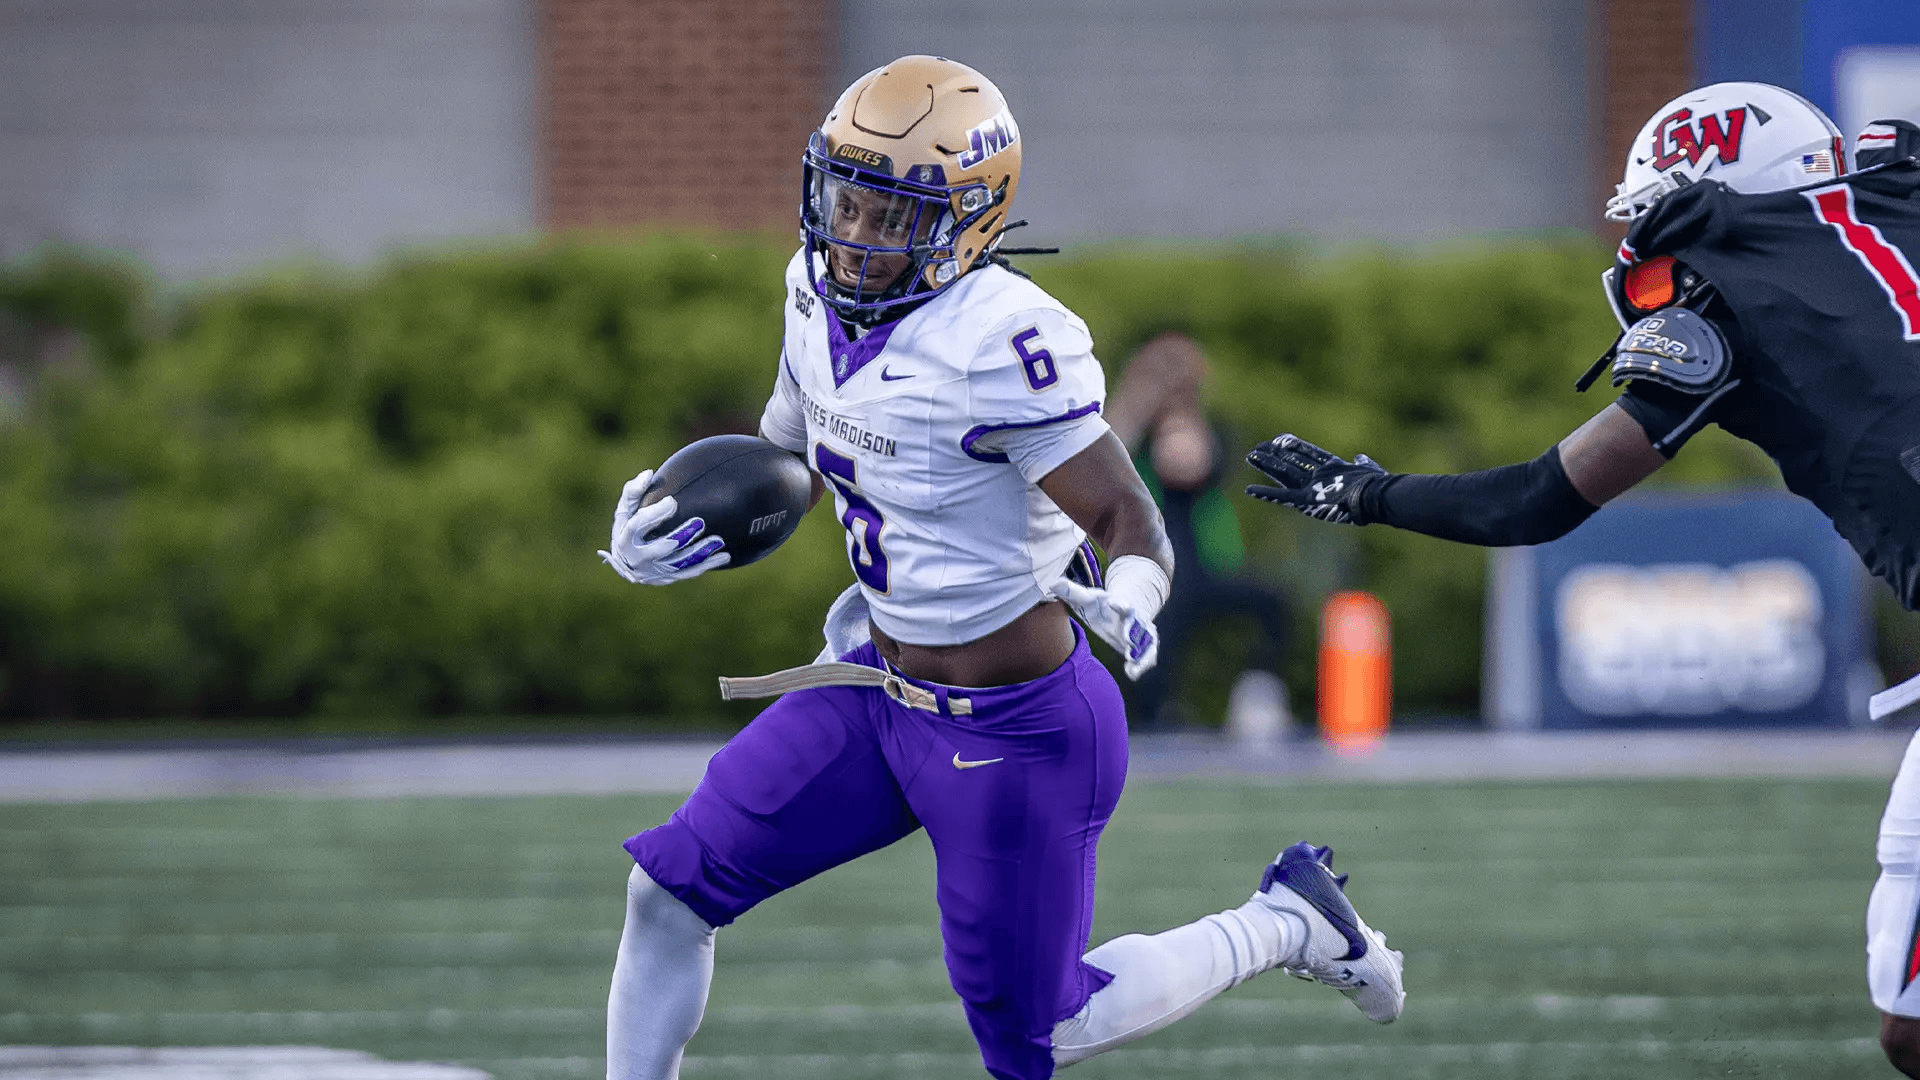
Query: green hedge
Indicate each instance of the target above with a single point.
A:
(380, 494)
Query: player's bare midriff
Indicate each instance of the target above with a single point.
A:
(1023, 650)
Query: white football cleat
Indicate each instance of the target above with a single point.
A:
(1342, 951)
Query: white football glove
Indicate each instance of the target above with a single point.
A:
(1123, 612)
(677, 556)
(846, 628)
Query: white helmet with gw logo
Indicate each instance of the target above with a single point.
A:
(1752, 137)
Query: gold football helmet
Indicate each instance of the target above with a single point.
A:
(906, 185)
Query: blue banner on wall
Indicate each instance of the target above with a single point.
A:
(1859, 60)
(1701, 610)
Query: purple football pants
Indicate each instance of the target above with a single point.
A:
(1014, 797)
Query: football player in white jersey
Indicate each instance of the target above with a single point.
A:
(953, 408)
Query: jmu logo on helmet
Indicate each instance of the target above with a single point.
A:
(1678, 137)
(989, 138)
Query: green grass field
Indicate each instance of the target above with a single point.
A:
(1644, 930)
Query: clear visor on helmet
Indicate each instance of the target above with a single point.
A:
(874, 239)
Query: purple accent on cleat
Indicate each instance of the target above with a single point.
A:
(1308, 871)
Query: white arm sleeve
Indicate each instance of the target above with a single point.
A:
(784, 421)
(1035, 392)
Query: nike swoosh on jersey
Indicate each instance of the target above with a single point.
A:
(887, 376)
(959, 764)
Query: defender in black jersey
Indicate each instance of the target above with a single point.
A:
(1791, 319)
(1762, 290)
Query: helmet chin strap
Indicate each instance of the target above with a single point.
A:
(867, 318)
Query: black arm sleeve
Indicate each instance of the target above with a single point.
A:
(1668, 416)
(1529, 503)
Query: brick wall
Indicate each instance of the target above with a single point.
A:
(1646, 60)
(689, 112)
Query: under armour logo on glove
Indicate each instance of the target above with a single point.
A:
(1313, 481)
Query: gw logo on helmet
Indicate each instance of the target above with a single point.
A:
(1763, 139)
(1672, 145)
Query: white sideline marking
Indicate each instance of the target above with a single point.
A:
(214, 1063)
(613, 767)
(374, 772)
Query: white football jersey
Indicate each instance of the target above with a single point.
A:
(933, 432)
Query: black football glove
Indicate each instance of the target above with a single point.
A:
(1313, 481)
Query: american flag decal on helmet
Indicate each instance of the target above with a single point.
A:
(1820, 163)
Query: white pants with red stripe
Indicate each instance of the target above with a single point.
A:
(1893, 912)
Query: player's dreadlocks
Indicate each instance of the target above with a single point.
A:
(998, 255)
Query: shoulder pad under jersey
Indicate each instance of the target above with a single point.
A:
(1676, 348)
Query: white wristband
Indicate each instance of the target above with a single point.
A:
(1140, 582)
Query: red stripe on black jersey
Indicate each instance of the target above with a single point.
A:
(1887, 264)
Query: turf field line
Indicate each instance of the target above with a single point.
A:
(836, 937)
(1548, 1006)
(315, 1022)
(908, 1064)
(437, 949)
(1621, 1006)
(535, 1066)
(215, 1063)
(1592, 962)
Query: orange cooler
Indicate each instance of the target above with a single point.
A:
(1356, 672)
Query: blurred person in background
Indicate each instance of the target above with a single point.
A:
(1766, 288)
(1157, 412)
(954, 409)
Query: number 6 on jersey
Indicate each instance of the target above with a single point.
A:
(1036, 364)
(861, 518)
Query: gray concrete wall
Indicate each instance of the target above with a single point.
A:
(208, 135)
(1398, 119)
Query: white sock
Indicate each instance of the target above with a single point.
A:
(1159, 979)
(660, 982)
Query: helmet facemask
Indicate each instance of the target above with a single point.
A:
(876, 242)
